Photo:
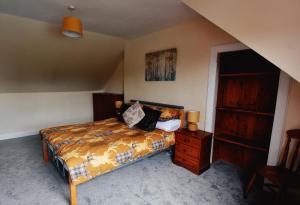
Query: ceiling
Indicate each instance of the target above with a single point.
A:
(123, 18)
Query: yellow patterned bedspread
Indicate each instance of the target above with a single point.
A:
(92, 149)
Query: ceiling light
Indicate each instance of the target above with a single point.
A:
(72, 26)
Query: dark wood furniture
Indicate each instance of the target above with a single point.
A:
(192, 150)
(284, 175)
(104, 105)
(247, 93)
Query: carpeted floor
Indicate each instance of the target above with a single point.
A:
(25, 179)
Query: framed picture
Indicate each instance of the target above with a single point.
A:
(161, 65)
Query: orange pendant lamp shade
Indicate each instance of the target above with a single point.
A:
(72, 27)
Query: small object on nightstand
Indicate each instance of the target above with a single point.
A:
(192, 150)
(193, 118)
(118, 105)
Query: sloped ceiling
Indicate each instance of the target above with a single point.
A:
(123, 18)
(270, 27)
(35, 57)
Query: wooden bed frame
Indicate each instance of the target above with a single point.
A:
(73, 186)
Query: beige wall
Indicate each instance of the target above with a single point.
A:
(270, 27)
(38, 65)
(25, 114)
(193, 40)
(35, 57)
(115, 84)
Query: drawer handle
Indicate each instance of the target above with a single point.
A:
(184, 150)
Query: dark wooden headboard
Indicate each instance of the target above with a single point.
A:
(176, 107)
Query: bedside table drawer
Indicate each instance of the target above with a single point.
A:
(192, 150)
(193, 142)
(187, 150)
(186, 161)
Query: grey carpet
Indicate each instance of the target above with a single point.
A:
(25, 179)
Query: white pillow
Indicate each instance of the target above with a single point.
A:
(133, 115)
(169, 126)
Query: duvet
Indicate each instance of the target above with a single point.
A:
(91, 149)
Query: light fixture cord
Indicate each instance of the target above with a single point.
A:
(71, 8)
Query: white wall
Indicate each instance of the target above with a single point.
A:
(293, 119)
(23, 114)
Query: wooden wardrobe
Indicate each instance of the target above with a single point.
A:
(247, 94)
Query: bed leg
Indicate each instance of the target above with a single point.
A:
(73, 197)
(45, 151)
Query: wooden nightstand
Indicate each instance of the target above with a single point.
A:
(192, 150)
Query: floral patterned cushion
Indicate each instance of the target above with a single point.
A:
(133, 115)
(167, 113)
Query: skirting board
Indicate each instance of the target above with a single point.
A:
(13, 135)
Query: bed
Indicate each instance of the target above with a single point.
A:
(85, 151)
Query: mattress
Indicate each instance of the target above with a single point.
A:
(91, 149)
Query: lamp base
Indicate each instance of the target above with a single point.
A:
(192, 127)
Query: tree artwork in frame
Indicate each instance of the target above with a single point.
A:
(161, 65)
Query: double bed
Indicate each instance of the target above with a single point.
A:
(85, 151)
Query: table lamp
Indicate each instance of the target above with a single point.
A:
(193, 118)
(118, 104)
